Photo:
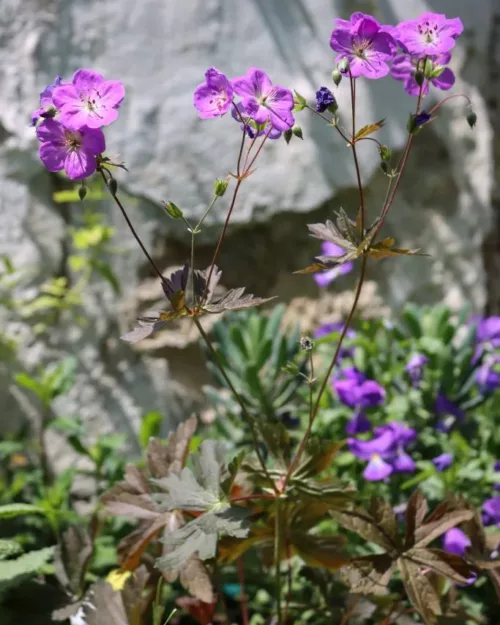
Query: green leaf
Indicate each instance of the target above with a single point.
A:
(366, 131)
(9, 548)
(18, 509)
(12, 572)
(29, 383)
(104, 269)
(150, 426)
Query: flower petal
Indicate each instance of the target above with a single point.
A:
(79, 164)
(377, 469)
(255, 83)
(52, 156)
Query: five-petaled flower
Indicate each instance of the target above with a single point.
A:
(264, 101)
(365, 44)
(324, 278)
(356, 391)
(88, 100)
(75, 151)
(213, 97)
(429, 34)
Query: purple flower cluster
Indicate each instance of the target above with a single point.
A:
(415, 52)
(385, 451)
(69, 121)
(264, 108)
(487, 344)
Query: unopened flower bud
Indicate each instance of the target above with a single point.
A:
(344, 66)
(336, 77)
(82, 192)
(415, 122)
(50, 113)
(173, 210)
(288, 134)
(419, 78)
(385, 153)
(220, 187)
(112, 186)
(297, 131)
(384, 166)
(471, 119)
(306, 343)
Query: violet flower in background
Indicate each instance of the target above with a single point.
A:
(358, 424)
(264, 101)
(355, 391)
(496, 468)
(385, 451)
(328, 328)
(488, 375)
(456, 542)
(375, 451)
(443, 462)
(88, 100)
(491, 511)
(444, 407)
(415, 368)
(488, 331)
(324, 99)
(213, 97)
(363, 42)
(404, 67)
(324, 278)
(75, 151)
(429, 34)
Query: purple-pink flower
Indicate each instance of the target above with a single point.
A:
(88, 100)
(404, 67)
(375, 451)
(324, 278)
(75, 151)
(429, 34)
(213, 97)
(365, 44)
(264, 101)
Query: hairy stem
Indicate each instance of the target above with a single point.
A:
(314, 412)
(131, 227)
(355, 155)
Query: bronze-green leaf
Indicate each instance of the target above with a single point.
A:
(368, 130)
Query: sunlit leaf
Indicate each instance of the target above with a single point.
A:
(367, 130)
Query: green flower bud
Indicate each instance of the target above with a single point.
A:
(299, 101)
(220, 187)
(419, 78)
(472, 119)
(288, 134)
(112, 186)
(336, 77)
(297, 131)
(173, 210)
(344, 66)
(384, 166)
(82, 192)
(291, 368)
(385, 153)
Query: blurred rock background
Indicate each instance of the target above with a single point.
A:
(448, 204)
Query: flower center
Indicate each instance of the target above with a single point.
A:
(72, 140)
(219, 97)
(428, 31)
(360, 47)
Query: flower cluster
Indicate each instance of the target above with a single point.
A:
(70, 118)
(415, 52)
(264, 108)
